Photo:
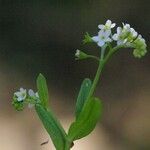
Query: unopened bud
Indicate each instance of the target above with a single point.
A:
(80, 55)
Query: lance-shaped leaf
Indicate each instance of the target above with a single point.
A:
(87, 119)
(53, 127)
(42, 90)
(82, 96)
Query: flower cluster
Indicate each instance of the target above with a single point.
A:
(104, 33)
(125, 36)
(22, 97)
(140, 47)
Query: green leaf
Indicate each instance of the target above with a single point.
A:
(42, 90)
(82, 96)
(53, 127)
(87, 119)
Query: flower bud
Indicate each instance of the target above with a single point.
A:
(18, 105)
(21, 98)
(80, 55)
(140, 47)
(87, 38)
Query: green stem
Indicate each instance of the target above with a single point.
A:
(102, 62)
(68, 145)
(96, 79)
(93, 57)
(111, 52)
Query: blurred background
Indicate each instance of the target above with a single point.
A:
(42, 36)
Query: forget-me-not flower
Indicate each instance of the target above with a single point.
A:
(21, 95)
(108, 25)
(102, 38)
(104, 33)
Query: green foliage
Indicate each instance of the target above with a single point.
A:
(52, 126)
(82, 96)
(42, 90)
(87, 119)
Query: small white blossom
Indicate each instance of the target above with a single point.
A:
(108, 25)
(104, 33)
(32, 94)
(125, 35)
(102, 38)
(21, 95)
(118, 37)
(133, 33)
(126, 27)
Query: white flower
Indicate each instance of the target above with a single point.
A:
(125, 35)
(126, 27)
(132, 34)
(118, 37)
(21, 95)
(102, 38)
(108, 25)
(33, 94)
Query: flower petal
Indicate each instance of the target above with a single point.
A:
(95, 38)
(37, 95)
(19, 99)
(31, 93)
(108, 23)
(119, 30)
(119, 42)
(113, 25)
(104, 33)
(17, 94)
(115, 37)
(101, 26)
(109, 40)
(101, 43)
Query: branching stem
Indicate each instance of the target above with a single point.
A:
(102, 61)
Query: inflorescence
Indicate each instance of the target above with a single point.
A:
(125, 37)
(23, 97)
